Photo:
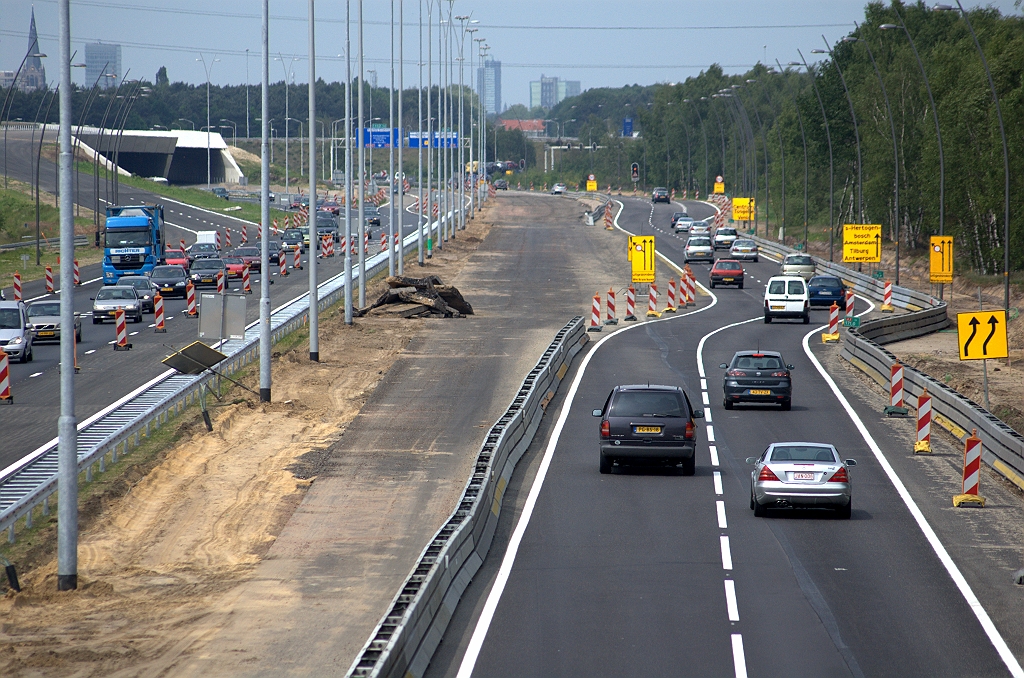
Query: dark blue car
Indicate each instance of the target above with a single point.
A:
(825, 290)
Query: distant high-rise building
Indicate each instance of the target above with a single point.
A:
(102, 65)
(488, 79)
(548, 92)
(33, 75)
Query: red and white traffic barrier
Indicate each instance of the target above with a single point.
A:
(671, 307)
(227, 236)
(610, 318)
(17, 286)
(122, 331)
(652, 301)
(158, 312)
(849, 303)
(383, 242)
(924, 423)
(273, 227)
(972, 473)
(282, 260)
(896, 386)
(220, 282)
(190, 297)
(297, 261)
(887, 298)
(182, 243)
(217, 238)
(245, 235)
(5, 378)
(49, 280)
(595, 314)
(77, 278)
(630, 303)
(246, 288)
(833, 325)
(691, 289)
(608, 219)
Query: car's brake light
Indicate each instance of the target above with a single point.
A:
(780, 374)
(606, 429)
(689, 429)
(840, 476)
(736, 373)
(766, 474)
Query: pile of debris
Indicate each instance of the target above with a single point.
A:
(419, 298)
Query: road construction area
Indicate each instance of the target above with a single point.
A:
(276, 543)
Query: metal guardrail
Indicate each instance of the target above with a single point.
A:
(404, 641)
(79, 240)
(30, 481)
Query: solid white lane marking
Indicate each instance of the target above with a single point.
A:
(739, 662)
(717, 476)
(707, 414)
(933, 539)
(720, 505)
(90, 351)
(714, 455)
(704, 397)
(34, 375)
(711, 433)
(726, 553)
(730, 601)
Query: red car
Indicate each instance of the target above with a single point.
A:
(234, 266)
(727, 272)
(251, 256)
(176, 258)
(332, 206)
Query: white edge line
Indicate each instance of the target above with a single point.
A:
(954, 572)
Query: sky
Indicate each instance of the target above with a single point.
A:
(598, 42)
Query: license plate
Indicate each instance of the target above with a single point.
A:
(210, 280)
(646, 429)
(760, 391)
(46, 334)
(778, 308)
(803, 476)
(166, 289)
(728, 279)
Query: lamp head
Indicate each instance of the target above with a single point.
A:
(820, 51)
(888, 27)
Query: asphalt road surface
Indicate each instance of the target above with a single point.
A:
(644, 573)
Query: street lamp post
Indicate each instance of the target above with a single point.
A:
(803, 136)
(266, 151)
(348, 163)
(287, 70)
(234, 131)
(856, 131)
(419, 146)
(247, 94)
(7, 98)
(831, 169)
(704, 133)
(207, 69)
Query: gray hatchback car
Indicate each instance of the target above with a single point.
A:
(15, 335)
(801, 475)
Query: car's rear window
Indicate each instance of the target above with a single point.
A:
(803, 453)
(777, 287)
(35, 310)
(728, 266)
(743, 243)
(799, 260)
(750, 362)
(826, 282)
(161, 271)
(647, 404)
(727, 231)
(796, 286)
(114, 293)
(700, 242)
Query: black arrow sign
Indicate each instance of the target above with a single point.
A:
(974, 330)
(878, 246)
(993, 322)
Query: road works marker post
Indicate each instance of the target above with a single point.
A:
(77, 278)
(122, 331)
(227, 236)
(217, 238)
(5, 378)
(849, 303)
(595, 314)
(182, 243)
(652, 301)
(17, 286)
(887, 298)
(896, 406)
(383, 242)
(297, 261)
(630, 304)
(220, 282)
(190, 295)
(972, 473)
(49, 280)
(282, 260)
(246, 289)
(245, 235)
(691, 288)
(611, 319)
(671, 308)
(158, 312)
(833, 325)
(924, 423)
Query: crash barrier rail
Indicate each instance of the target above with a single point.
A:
(1002, 446)
(45, 242)
(404, 641)
(598, 213)
(120, 426)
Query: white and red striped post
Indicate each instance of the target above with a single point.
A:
(273, 227)
(17, 286)
(691, 289)
(833, 319)
(49, 280)
(595, 314)
(122, 331)
(190, 296)
(220, 282)
(245, 235)
(246, 288)
(217, 238)
(383, 242)
(5, 378)
(182, 243)
(366, 242)
(849, 303)
(671, 308)
(158, 312)
(282, 260)
(887, 298)
(630, 303)
(610, 318)
(972, 473)
(297, 261)
(652, 301)
(227, 236)
(77, 278)
(608, 219)
(924, 423)
(398, 241)
(896, 386)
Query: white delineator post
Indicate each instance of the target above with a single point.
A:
(924, 423)
(595, 314)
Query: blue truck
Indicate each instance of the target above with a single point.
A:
(134, 241)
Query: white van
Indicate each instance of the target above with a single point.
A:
(208, 237)
(786, 296)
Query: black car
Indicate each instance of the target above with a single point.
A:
(274, 251)
(203, 250)
(144, 287)
(648, 424)
(293, 240)
(500, 185)
(204, 272)
(825, 290)
(660, 195)
(757, 377)
(170, 281)
(372, 215)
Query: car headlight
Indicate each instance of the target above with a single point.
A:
(130, 307)
(16, 340)
(180, 283)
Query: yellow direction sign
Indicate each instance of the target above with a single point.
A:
(742, 209)
(720, 187)
(981, 335)
(862, 243)
(591, 186)
(641, 255)
(941, 259)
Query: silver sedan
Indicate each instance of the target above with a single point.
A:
(801, 474)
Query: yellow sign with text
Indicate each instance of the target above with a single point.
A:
(981, 335)
(641, 255)
(742, 209)
(720, 187)
(940, 259)
(591, 186)
(862, 243)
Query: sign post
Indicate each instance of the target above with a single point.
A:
(862, 243)
(742, 209)
(591, 183)
(720, 185)
(940, 259)
(980, 336)
(641, 255)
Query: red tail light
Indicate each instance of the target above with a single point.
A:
(766, 474)
(689, 429)
(736, 373)
(840, 476)
(606, 429)
(780, 374)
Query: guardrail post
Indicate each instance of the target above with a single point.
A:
(46, 505)
(88, 473)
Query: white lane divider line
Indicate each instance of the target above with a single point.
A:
(132, 334)
(90, 351)
(31, 376)
(726, 553)
(730, 600)
(738, 660)
(707, 416)
(714, 455)
(704, 384)
(704, 397)
(717, 476)
(111, 343)
(721, 514)
(711, 433)
(152, 325)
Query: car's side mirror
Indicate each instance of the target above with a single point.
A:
(92, 298)
(597, 413)
(698, 414)
(723, 366)
(751, 460)
(851, 462)
(790, 367)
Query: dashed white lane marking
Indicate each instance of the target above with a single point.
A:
(726, 553)
(714, 455)
(711, 434)
(34, 375)
(722, 523)
(707, 417)
(717, 476)
(738, 660)
(730, 600)
(704, 397)
(132, 334)
(704, 384)
(90, 351)
(152, 325)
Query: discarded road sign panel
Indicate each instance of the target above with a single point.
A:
(862, 243)
(641, 256)
(940, 259)
(981, 335)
